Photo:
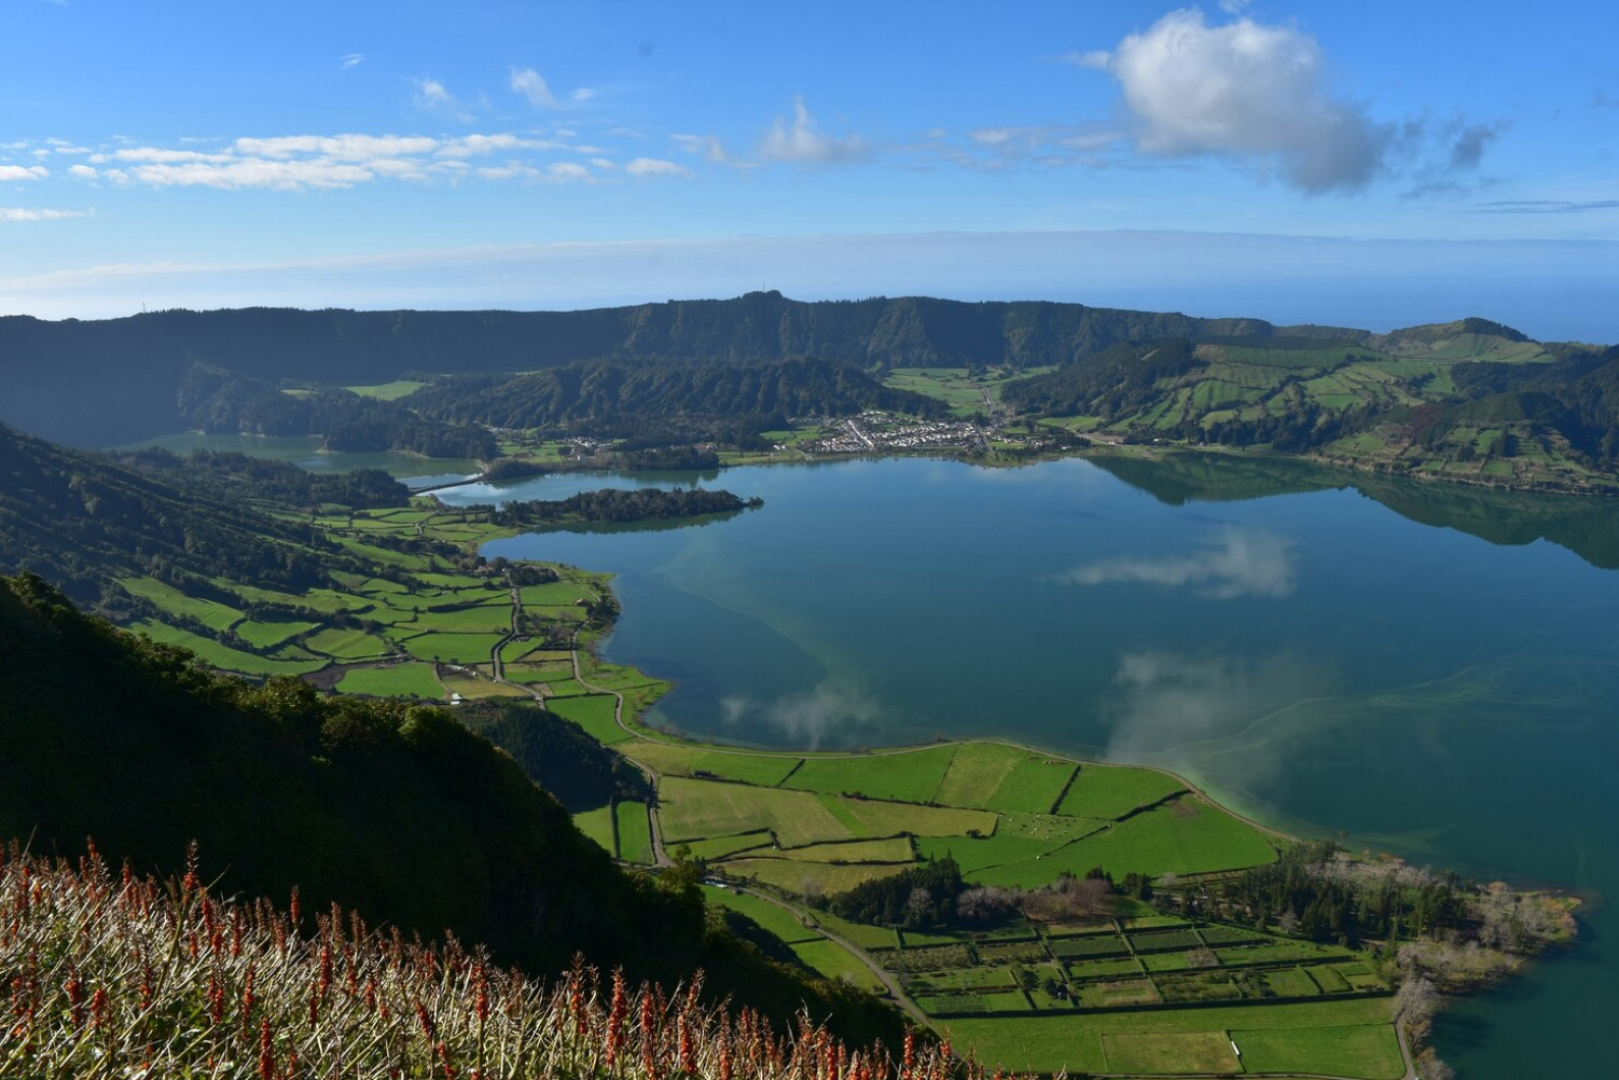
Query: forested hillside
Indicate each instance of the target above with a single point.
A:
(395, 811)
(115, 381)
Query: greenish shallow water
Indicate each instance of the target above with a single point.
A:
(1408, 665)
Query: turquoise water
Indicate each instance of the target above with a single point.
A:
(1415, 668)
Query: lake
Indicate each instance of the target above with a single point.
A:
(1430, 671)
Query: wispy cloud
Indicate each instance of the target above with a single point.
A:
(531, 85)
(352, 60)
(23, 172)
(1545, 206)
(14, 213)
(825, 714)
(643, 167)
(800, 140)
(1240, 562)
(434, 97)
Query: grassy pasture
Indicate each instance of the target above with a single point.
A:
(594, 713)
(538, 673)
(802, 877)
(555, 594)
(210, 613)
(976, 771)
(469, 687)
(911, 776)
(720, 847)
(1033, 786)
(1369, 1051)
(223, 657)
(453, 648)
(675, 760)
(1016, 840)
(774, 918)
(893, 819)
(388, 391)
(481, 619)
(598, 825)
(268, 635)
(1053, 1042)
(696, 809)
(341, 644)
(894, 850)
(867, 937)
(1111, 791)
(836, 962)
(398, 680)
(1168, 1051)
(634, 832)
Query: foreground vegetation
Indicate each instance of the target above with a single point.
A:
(135, 975)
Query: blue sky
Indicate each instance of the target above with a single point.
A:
(1372, 163)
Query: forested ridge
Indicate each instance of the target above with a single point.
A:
(395, 811)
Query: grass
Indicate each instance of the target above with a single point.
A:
(598, 825)
(720, 847)
(1188, 836)
(453, 648)
(1368, 1051)
(210, 613)
(896, 850)
(594, 713)
(1111, 791)
(764, 770)
(894, 819)
(1104, 969)
(867, 937)
(388, 391)
(397, 680)
(223, 657)
(1292, 982)
(555, 594)
(773, 917)
(695, 809)
(822, 879)
(268, 635)
(343, 644)
(911, 776)
(976, 770)
(1052, 1043)
(469, 687)
(1033, 786)
(480, 619)
(1168, 1051)
(1018, 838)
(836, 962)
(634, 832)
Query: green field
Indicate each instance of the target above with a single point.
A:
(911, 776)
(598, 825)
(223, 657)
(478, 619)
(977, 771)
(389, 391)
(594, 713)
(343, 644)
(210, 613)
(1343, 1038)
(836, 962)
(695, 809)
(670, 759)
(779, 921)
(453, 648)
(1106, 791)
(397, 680)
(1033, 786)
(269, 635)
(634, 832)
(808, 878)
(895, 850)
(723, 846)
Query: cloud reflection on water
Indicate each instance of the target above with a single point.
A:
(804, 719)
(1239, 562)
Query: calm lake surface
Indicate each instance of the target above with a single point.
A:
(1415, 667)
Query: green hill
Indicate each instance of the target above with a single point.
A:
(398, 813)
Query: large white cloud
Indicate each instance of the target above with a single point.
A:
(1246, 92)
(802, 140)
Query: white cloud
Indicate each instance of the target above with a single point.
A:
(531, 84)
(352, 60)
(1241, 562)
(802, 141)
(569, 170)
(23, 172)
(1244, 92)
(643, 167)
(83, 172)
(602, 163)
(161, 156)
(320, 174)
(584, 93)
(339, 147)
(710, 146)
(20, 214)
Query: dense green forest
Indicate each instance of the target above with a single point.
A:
(398, 812)
(611, 394)
(115, 381)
